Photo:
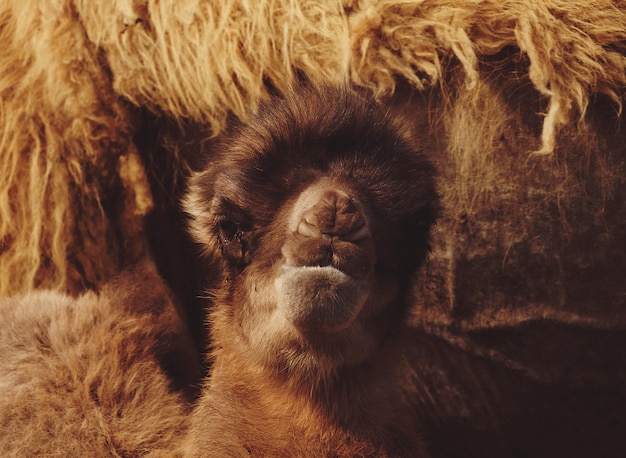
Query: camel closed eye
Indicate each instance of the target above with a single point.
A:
(231, 240)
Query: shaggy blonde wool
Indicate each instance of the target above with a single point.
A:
(64, 145)
(204, 59)
(68, 67)
(575, 48)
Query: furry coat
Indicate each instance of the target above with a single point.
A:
(102, 375)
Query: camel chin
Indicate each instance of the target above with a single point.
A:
(319, 299)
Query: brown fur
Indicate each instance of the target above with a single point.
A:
(94, 376)
(317, 211)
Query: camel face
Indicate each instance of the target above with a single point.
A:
(317, 210)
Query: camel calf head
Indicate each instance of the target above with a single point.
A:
(317, 212)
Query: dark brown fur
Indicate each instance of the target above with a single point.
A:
(320, 191)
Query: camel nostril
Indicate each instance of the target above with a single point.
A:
(334, 215)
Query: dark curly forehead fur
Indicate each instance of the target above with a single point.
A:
(330, 131)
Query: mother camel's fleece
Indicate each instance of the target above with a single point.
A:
(69, 168)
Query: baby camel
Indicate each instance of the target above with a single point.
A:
(317, 212)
